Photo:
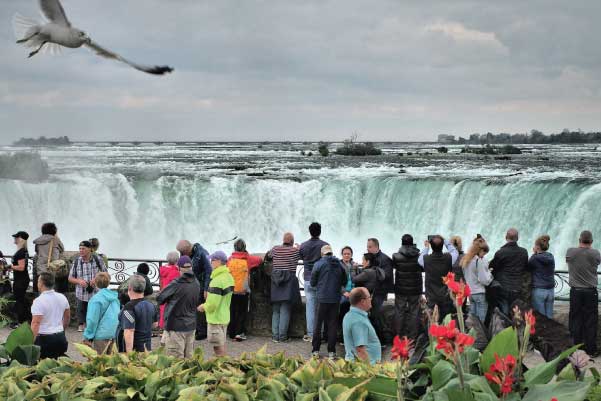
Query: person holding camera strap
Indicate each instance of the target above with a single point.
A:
(83, 276)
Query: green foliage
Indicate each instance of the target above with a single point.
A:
(594, 393)
(350, 148)
(19, 347)
(442, 149)
(493, 150)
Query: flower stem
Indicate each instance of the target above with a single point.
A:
(523, 349)
(459, 365)
(400, 381)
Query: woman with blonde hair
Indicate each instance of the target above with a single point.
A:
(457, 242)
(477, 276)
(542, 266)
(20, 277)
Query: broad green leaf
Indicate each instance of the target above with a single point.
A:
(563, 391)
(504, 343)
(442, 372)
(22, 335)
(544, 372)
(85, 351)
(323, 395)
(567, 373)
(4, 353)
(380, 388)
(27, 354)
(236, 390)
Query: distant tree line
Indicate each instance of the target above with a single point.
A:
(534, 137)
(43, 141)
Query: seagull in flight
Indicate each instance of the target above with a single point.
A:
(58, 32)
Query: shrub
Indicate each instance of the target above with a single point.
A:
(323, 149)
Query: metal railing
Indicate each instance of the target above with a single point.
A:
(121, 269)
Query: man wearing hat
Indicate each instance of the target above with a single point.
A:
(181, 297)
(217, 306)
(408, 285)
(328, 277)
(83, 275)
(20, 276)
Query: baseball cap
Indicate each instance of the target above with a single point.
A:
(219, 255)
(184, 260)
(21, 234)
(86, 244)
(326, 249)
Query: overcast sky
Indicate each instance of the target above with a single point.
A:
(308, 70)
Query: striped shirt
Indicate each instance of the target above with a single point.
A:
(285, 257)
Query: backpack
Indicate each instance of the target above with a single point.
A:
(239, 271)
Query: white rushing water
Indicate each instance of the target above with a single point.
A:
(140, 202)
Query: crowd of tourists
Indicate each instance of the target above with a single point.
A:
(206, 296)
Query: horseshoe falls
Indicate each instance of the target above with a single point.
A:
(139, 201)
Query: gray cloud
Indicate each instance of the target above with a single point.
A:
(259, 70)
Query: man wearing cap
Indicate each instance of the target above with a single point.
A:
(201, 266)
(181, 297)
(328, 277)
(217, 306)
(83, 275)
(20, 276)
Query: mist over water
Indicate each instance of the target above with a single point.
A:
(140, 201)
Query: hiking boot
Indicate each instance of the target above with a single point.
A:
(307, 338)
(240, 337)
(275, 340)
(315, 354)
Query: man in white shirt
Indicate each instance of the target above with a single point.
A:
(50, 317)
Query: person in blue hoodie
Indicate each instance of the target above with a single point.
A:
(102, 317)
(328, 277)
(542, 266)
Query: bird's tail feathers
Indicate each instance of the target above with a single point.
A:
(24, 28)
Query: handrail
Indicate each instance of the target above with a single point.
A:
(121, 269)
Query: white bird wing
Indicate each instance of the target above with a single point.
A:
(156, 70)
(54, 12)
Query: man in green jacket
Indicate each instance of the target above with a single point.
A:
(217, 305)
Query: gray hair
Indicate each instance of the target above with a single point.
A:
(137, 284)
(172, 257)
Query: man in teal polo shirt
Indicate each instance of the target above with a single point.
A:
(360, 339)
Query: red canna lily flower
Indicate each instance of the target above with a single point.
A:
(401, 348)
(449, 338)
(459, 289)
(530, 320)
(501, 373)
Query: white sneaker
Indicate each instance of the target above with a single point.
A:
(80, 328)
(315, 354)
(307, 338)
(331, 356)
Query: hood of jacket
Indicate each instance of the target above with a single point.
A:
(107, 295)
(43, 240)
(409, 251)
(223, 269)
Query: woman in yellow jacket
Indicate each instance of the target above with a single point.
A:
(217, 305)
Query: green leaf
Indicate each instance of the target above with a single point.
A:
(503, 344)
(543, 373)
(131, 392)
(4, 353)
(323, 395)
(22, 335)
(380, 388)
(86, 352)
(26, 354)
(442, 372)
(567, 373)
(563, 391)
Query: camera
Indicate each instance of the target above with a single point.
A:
(431, 237)
(89, 288)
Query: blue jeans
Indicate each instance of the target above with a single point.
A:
(542, 300)
(310, 307)
(280, 318)
(478, 306)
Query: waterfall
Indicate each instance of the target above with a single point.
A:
(144, 217)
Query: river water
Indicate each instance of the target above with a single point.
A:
(139, 200)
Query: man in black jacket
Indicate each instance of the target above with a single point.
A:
(509, 267)
(408, 285)
(437, 265)
(182, 296)
(383, 287)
